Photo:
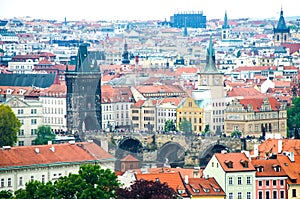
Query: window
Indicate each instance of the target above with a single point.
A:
(43, 178)
(267, 194)
(249, 195)
(230, 181)
(20, 111)
(239, 180)
(274, 183)
(9, 182)
(21, 143)
(2, 182)
(259, 183)
(33, 131)
(33, 111)
(260, 195)
(281, 194)
(248, 180)
(33, 121)
(294, 193)
(239, 195)
(281, 182)
(230, 196)
(267, 183)
(274, 194)
(20, 181)
(32, 178)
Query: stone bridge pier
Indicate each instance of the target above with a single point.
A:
(167, 149)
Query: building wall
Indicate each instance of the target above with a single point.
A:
(29, 112)
(54, 112)
(192, 113)
(264, 188)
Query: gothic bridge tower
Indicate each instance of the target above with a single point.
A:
(84, 94)
(281, 32)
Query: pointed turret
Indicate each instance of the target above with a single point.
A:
(281, 32)
(210, 59)
(125, 59)
(225, 24)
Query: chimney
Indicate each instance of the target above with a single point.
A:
(186, 179)
(255, 150)
(52, 149)
(49, 142)
(279, 146)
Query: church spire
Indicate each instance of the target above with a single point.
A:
(225, 24)
(125, 59)
(281, 25)
(210, 59)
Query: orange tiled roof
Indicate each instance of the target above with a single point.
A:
(268, 168)
(129, 158)
(200, 184)
(27, 155)
(244, 91)
(173, 180)
(257, 103)
(291, 168)
(235, 158)
(291, 145)
(159, 88)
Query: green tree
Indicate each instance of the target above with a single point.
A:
(9, 126)
(91, 182)
(169, 126)
(6, 195)
(1, 50)
(236, 134)
(147, 190)
(35, 190)
(293, 114)
(44, 134)
(185, 126)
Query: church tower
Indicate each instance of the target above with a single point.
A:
(225, 28)
(84, 94)
(125, 56)
(281, 32)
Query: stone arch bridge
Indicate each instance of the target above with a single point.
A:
(161, 149)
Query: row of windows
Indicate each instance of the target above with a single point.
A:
(21, 111)
(218, 112)
(218, 120)
(52, 110)
(164, 114)
(267, 183)
(53, 101)
(32, 132)
(2, 182)
(267, 194)
(240, 195)
(239, 180)
(53, 120)
(190, 113)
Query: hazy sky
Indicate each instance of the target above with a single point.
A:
(143, 10)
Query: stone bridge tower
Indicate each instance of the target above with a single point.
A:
(84, 94)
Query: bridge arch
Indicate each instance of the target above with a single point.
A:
(172, 153)
(209, 151)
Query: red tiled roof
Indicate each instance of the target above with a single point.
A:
(291, 145)
(180, 71)
(159, 89)
(257, 103)
(236, 159)
(172, 179)
(268, 168)
(294, 47)
(129, 158)
(28, 155)
(210, 184)
(244, 91)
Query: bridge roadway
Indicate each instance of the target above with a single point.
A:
(158, 149)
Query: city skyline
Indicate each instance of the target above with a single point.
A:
(146, 10)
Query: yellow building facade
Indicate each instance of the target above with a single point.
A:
(190, 111)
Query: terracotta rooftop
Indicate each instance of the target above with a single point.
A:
(129, 158)
(173, 180)
(270, 168)
(51, 154)
(257, 103)
(233, 162)
(204, 187)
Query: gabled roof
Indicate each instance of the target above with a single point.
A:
(173, 180)
(291, 145)
(204, 187)
(233, 162)
(129, 158)
(270, 168)
(258, 102)
(51, 154)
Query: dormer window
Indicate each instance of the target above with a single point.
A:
(244, 163)
(276, 168)
(229, 163)
(260, 168)
(196, 190)
(206, 190)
